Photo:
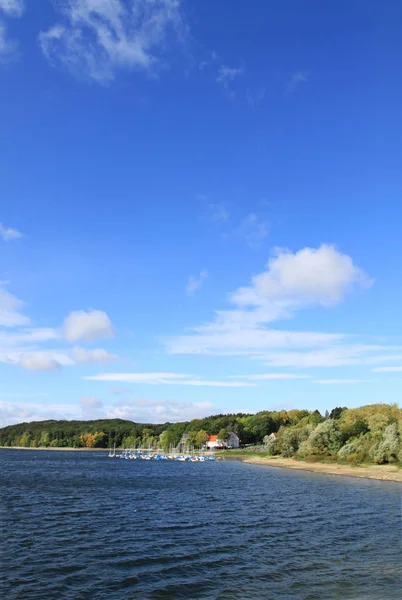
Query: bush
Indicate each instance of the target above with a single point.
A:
(326, 438)
(290, 439)
(387, 450)
(356, 457)
(347, 450)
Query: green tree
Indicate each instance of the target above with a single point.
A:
(387, 450)
(324, 439)
(201, 437)
(223, 435)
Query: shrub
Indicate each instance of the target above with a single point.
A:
(387, 450)
(324, 439)
(290, 439)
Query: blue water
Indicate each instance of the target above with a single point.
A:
(80, 526)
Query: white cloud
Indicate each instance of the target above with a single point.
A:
(387, 370)
(270, 376)
(92, 407)
(311, 276)
(253, 230)
(164, 379)
(87, 325)
(7, 48)
(8, 233)
(142, 411)
(341, 381)
(291, 281)
(340, 355)
(38, 361)
(227, 74)
(90, 402)
(10, 307)
(18, 412)
(162, 411)
(228, 337)
(297, 78)
(81, 355)
(12, 8)
(28, 336)
(34, 395)
(195, 283)
(98, 37)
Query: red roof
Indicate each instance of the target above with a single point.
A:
(212, 438)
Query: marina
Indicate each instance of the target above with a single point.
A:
(140, 454)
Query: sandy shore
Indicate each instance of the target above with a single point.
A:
(380, 472)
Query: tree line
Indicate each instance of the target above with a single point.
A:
(369, 433)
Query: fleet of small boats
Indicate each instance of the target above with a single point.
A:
(150, 455)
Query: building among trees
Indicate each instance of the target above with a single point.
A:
(223, 440)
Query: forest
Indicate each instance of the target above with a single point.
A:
(371, 433)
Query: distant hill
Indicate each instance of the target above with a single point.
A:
(368, 433)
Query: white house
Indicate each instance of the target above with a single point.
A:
(233, 441)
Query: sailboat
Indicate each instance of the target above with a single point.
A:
(112, 455)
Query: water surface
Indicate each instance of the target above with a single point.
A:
(80, 526)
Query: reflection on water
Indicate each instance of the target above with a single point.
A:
(79, 526)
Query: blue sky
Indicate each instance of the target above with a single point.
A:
(200, 207)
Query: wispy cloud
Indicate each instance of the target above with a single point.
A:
(33, 395)
(292, 281)
(165, 379)
(99, 38)
(12, 8)
(253, 230)
(8, 233)
(334, 355)
(95, 355)
(92, 407)
(255, 97)
(341, 381)
(218, 213)
(227, 74)
(195, 283)
(8, 48)
(10, 310)
(271, 376)
(388, 370)
(297, 79)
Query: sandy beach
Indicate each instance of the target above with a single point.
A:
(379, 472)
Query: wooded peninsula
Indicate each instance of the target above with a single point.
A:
(371, 433)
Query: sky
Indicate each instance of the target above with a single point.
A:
(200, 207)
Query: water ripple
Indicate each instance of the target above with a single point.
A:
(79, 526)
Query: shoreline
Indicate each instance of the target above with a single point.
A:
(378, 472)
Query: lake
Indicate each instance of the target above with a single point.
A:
(80, 526)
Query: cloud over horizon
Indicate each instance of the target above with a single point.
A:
(165, 379)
